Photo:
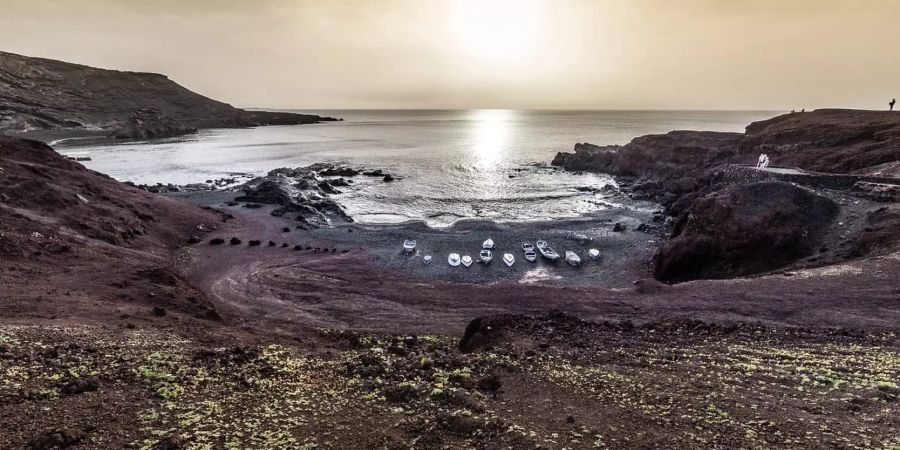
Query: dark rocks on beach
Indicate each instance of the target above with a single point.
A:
(216, 241)
(254, 243)
(374, 173)
(235, 241)
(338, 172)
(297, 190)
(618, 228)
(269, 192)
(327, 188)
(745, 229)
(340, 182)
(272, 243)
(388, 178)
(285, 230)
(158, 312)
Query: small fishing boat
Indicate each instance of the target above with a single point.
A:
(488, 244)
(77, 156)
(467, 260)
(526, 246)
(548, 253)
(486, 256)
(453, 259)
(509, 259)
(530, 256)
(426, 259)
(541, 244)
(409, 245)
(594, 254)
(572, 258)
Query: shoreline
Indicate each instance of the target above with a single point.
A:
(625, 255)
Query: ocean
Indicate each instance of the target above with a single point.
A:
(450, 165)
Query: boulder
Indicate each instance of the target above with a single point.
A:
(339, 172)
(744, 229)
(80, 385)
(269, 192)
(56, 439)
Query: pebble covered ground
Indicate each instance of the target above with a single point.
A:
(551, 382)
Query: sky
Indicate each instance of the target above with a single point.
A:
(530, 54)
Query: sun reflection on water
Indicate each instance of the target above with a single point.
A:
(491, 132)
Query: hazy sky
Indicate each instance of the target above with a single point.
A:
(604, 54)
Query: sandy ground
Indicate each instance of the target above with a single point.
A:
(364, 282)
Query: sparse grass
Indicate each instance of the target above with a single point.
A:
(749, 390)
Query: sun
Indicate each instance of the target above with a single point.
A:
(499, 32)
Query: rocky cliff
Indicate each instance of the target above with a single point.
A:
(827, 140)
(41, 94)
(733, 221)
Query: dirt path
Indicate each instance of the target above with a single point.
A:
(281, 288)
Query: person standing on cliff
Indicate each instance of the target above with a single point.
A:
(893, 101)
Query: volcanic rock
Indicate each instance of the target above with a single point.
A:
(744, 229)
(42, 94)
(150, 124)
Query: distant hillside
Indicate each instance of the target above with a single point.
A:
(42, 94)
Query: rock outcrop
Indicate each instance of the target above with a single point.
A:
(302, 192)
(744, 229)
(41, 94)
(150, 124)
(827, 140)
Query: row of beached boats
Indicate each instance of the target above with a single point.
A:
(486, 255)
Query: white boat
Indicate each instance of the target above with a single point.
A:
(409, 245)
(526, 246)
(594, 254)
(453, 259)
(467, 260)
(548, 253)
(509, 259)
(488, 244)
(426, 259)
(486, 256)
(572, 258)
(541, 244)
(530, 255)
(77, 156)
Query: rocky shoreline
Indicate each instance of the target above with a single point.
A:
(726, 225)
(123, 327)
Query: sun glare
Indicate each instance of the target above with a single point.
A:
(497, 32)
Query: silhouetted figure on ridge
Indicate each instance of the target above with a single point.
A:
(893, 101)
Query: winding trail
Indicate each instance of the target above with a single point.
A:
(282, 289)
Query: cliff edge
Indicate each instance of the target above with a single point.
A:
(42, 94)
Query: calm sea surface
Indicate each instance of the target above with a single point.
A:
(451, 164)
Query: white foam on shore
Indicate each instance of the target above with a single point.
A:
(537, 275)
(830, 271)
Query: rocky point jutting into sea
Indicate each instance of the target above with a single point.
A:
(260, 316)
(42, 97)
(733, 220)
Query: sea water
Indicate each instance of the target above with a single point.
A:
(449, 165)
